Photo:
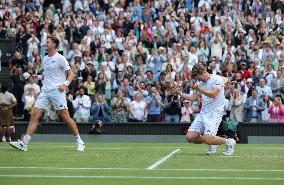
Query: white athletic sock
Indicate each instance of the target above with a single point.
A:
(13, 129)
(78, 138)
(227, 141)
(26, 139)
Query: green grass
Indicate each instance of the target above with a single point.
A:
(126, 164)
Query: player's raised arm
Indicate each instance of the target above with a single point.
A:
(190, 97)
(212, 93)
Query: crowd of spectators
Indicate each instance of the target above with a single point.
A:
(129, 56)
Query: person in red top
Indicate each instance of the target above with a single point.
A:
(244, 71)
(205, 29)
(251, 67)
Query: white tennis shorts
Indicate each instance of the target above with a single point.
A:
(53, 98)
(206, 123)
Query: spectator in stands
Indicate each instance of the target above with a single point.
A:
(170, 73)
(138, 109)
(172, 106)
(267, 103)
(149, 80)
(186, 112)
(18, 89)
(125, 86)
(253, 108)
(100, 109)
(82, 105)
(154, 106)
(100, 84)
(32, 85)
(28, 100)
(7, 102)
(89, 84)
(276, 110)
(282, 71)
(264, 89)
(89, 71)
(236, 103)
(256, 76)
(277, 85)
(140, 87)
(0, 60)
(33, 44)
(120, 106)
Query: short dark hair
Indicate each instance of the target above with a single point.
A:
(54, 39)
(149, 71)
(4, 88)
(198, 69)
(82, 88)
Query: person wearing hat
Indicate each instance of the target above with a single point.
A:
(31, 84)
(186, 111)
(244, 71)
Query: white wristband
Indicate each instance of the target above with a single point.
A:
(67, 83)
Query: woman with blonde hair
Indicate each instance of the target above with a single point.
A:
(236, 102)
(276, 110)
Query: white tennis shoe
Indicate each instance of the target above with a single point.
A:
(212, 149)
(80, 146)
(229, 149)
(20, 145)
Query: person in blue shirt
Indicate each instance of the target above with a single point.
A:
(264, 89)
(253, 107)
(153, 105)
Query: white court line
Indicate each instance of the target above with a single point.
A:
(106, 148)
(142, 177)
(149, 147)
(65, 168)
(156, 164)
(220, 170)
(142, 169)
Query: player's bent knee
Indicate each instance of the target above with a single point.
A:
(191, 137)
(64, 114)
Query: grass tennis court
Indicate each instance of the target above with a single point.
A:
(129, 164)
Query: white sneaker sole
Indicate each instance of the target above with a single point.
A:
(211, 153)
(81, 149)
(16, 147)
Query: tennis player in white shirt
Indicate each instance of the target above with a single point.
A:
(57, 77)
(205, 126)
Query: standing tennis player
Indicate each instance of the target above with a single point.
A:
(57, 77)
(205, 126)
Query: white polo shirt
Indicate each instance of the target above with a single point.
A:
(55, 71)
(217, 103)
